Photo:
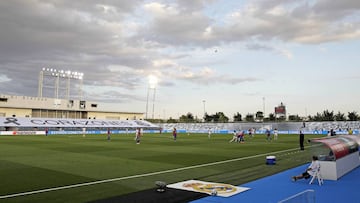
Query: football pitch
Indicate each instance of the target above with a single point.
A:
(73, 168)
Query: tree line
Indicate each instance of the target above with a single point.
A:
(220, 117)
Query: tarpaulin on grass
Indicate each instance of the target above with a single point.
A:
(220, 189)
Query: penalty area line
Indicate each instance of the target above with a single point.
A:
(137, 176)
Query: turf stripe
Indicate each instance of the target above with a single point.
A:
(138, 176)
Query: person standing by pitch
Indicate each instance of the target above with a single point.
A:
(301, 140)
(108, 134)
(174, 134)
(138, 135)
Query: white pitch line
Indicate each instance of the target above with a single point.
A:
(135, 176)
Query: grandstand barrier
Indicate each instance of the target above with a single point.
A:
(321, 128)
(227, 131)
(307, 196)
(151, 131)
(22, 132)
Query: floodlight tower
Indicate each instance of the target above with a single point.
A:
(153, 104)
(204, 101)
(263, 105)
(58, 76)
(41, 81)
(152, 86)
(147, 103)
(69, 75)
(46, 74)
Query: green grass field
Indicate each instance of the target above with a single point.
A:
(32, 163)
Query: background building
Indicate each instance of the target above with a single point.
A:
(43, 107)
(280, 111)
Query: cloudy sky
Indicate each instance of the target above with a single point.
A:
(213, 55)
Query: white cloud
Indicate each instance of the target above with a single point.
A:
(164, 63)
(209, 76)
(262, 47)
(106, 9)
(277, 11)
(4, 78)
(290, 21)
(160, 10)
(286, 53)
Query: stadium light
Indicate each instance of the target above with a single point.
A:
(62, 73)
(153, 81)
(57, 74)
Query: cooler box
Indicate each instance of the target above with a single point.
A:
(270, 160)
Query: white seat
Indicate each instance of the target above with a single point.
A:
(317, 175)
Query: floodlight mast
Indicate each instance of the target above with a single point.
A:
(204, 101)
(41, 81)
(153, 82)
(152, 85)
(153, 103)
(147, 103)
(59, 75)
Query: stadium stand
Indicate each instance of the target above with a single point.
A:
(259, 127)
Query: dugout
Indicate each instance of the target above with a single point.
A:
(337, 155)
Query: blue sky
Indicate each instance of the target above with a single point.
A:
(234, 55)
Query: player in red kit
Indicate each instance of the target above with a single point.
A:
(174, 134)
